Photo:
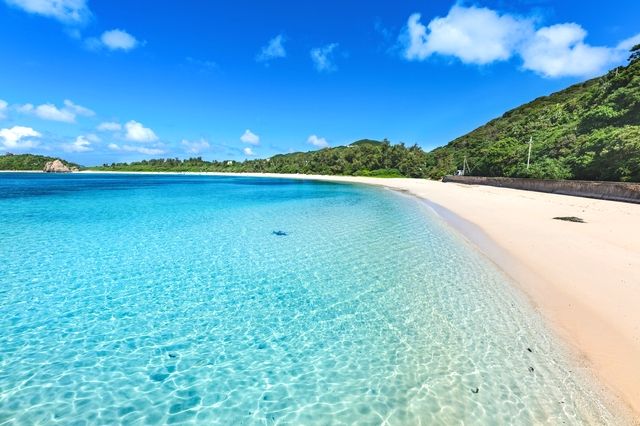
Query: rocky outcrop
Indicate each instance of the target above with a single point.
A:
(56, 166)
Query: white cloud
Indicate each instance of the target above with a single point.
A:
(67, 11)
(627, 44)
(195, 147)
(81, 144)
(322, 57)
(136, 132)
(18, 137)
(109, 126)
(248, 151)
(473, 35)
(316, 141)
(66, 114)
(48, 112)
(78, 109)
(482, 36)
(138, 149)
(118, 40)
(274, 49)
(249, 137)
(559, 50)
(3, 109)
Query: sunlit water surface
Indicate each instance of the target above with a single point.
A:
(141, 299)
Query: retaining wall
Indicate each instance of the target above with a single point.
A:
(616, 191)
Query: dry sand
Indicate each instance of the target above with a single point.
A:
(584, 278)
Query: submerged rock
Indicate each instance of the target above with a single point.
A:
(56, 166)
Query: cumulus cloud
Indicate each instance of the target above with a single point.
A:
(66, 114)
(136, 132)
(18, 137)
(66, 11)
(482, 36)
(109, 126)
(559, 50)
(195, 147)
(322, 57)
(48, 112)
(273, 50)
(317, 141)
(248, 151)
(3, 109)
(627, 44)
(118, 40)
(249, 137)
(81, 144)
(473, 35)
(138, 149)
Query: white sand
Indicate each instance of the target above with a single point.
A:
(583, 277)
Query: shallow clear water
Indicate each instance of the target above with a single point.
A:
(167, 299)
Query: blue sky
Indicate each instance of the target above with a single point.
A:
(103, 81)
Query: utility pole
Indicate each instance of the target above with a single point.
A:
(529, 155)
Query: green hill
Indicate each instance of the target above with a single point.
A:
(366, 142)
(28, 162)
(589, 131)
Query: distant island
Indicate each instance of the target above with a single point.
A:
(589, 131)
(32, 162)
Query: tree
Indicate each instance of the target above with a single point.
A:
(635, 53)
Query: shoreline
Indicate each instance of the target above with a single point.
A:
(579, 277)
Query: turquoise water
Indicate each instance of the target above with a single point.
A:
(140, 299)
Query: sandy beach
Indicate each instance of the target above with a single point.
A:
(582, 277)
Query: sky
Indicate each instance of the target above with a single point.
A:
(109, 81)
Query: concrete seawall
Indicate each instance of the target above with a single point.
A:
(615, 191)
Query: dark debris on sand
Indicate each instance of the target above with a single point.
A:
(570, 219)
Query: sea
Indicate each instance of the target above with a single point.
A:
(190, 299)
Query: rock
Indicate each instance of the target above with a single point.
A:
(56, 166)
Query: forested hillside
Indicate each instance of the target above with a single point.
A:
(588, 131)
